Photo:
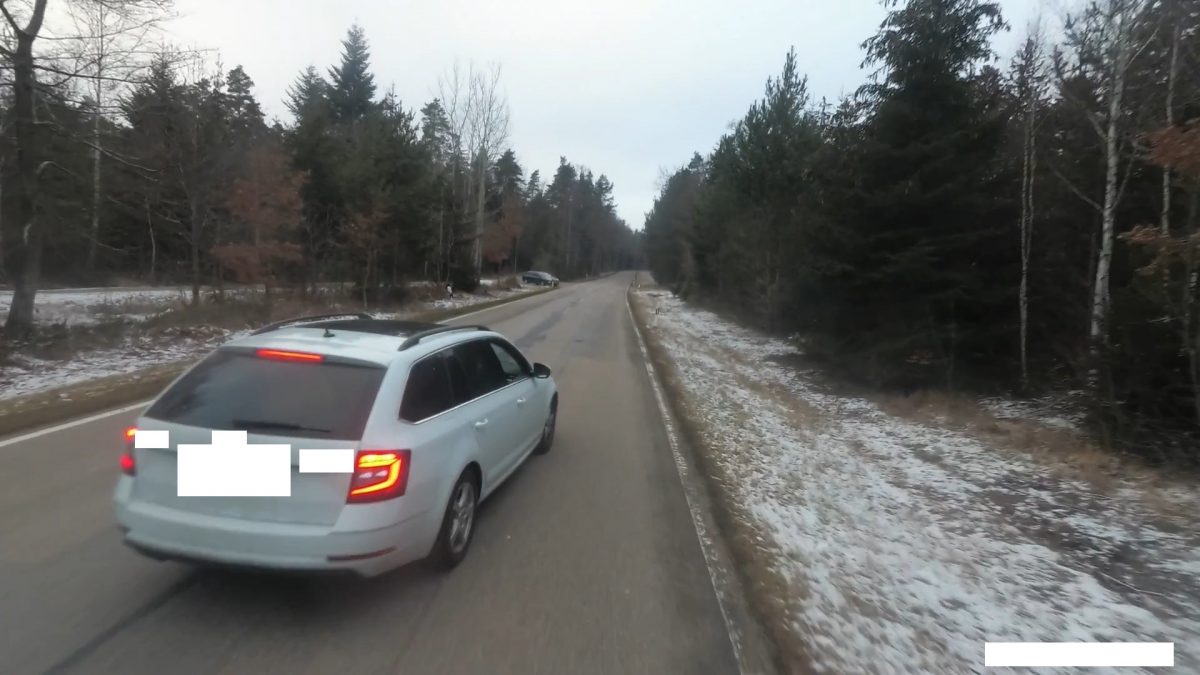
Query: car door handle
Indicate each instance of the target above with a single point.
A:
(520, 401)
(481, 423)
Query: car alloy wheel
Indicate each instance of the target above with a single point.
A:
(462, 516)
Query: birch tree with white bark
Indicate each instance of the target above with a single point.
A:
(1104, 41)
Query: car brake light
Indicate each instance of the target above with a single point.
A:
(282, 355)
(379, 475)
(128, 465)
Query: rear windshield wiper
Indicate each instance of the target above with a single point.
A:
(278, 426)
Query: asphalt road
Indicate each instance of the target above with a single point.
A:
(586, 561)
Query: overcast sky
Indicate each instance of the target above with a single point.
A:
(624, 87)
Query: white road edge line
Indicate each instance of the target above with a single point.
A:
(681, 467)
(73, 423)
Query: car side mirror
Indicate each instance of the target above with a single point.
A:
(541, 370)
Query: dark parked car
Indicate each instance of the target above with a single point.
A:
(539, 279)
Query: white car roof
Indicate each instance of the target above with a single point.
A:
(361, 345)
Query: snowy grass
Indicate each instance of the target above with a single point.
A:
(182, 339)
(25, 375)
(90, 306)
(903, 546)
(1060, 412)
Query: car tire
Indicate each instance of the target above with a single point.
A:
(547, 440)
(452, 543)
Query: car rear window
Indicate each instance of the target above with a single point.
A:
(231, 390)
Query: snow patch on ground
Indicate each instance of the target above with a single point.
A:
(907, 546)
(25, 374)
(1060, 412)
(460, 300)
(91, 305)
(28, 375)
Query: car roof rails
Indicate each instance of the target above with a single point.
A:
(315, 317)
(415, 338)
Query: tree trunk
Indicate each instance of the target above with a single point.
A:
(366, 279)
(441, 264)
(195, 250)
(23, 232)
(1189, 325)
(94, 242)
(1098, 330)
(481, 188)
(1172, 69)
(1028, 168)
(153, 242)
(3, 274)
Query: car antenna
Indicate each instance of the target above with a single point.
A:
(328, 333)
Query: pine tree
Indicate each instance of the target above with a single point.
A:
(921, 279)
(352, 86)
(246, 116)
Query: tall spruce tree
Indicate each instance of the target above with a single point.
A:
(352, 86)
(921, 279)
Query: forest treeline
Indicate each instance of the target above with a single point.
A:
(123, 159)
(968, 222)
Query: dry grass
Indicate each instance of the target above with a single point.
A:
(1066, 452)
(43, 408)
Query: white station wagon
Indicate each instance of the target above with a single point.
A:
(432, 417)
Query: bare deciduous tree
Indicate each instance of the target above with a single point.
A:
(110, 50)
(22, 234)
(478, 113)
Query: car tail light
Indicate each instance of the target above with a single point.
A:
(283, 355)
(379, 475)
(128, 465)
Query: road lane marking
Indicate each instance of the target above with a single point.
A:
(682, 468)
(73, 423)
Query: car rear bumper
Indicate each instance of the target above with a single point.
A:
(161, 532)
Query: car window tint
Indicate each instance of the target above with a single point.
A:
(512, 363)
(458, 377)
(428, 391)
(482, 368)
(325, 400)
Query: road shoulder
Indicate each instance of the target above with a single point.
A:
(754, 651)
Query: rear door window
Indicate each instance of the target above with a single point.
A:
(428, 390)
(481, 368)
(232, 390)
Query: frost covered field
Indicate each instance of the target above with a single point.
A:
(83, 306)
(24, 374)
(28, 375)
(902, 547)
